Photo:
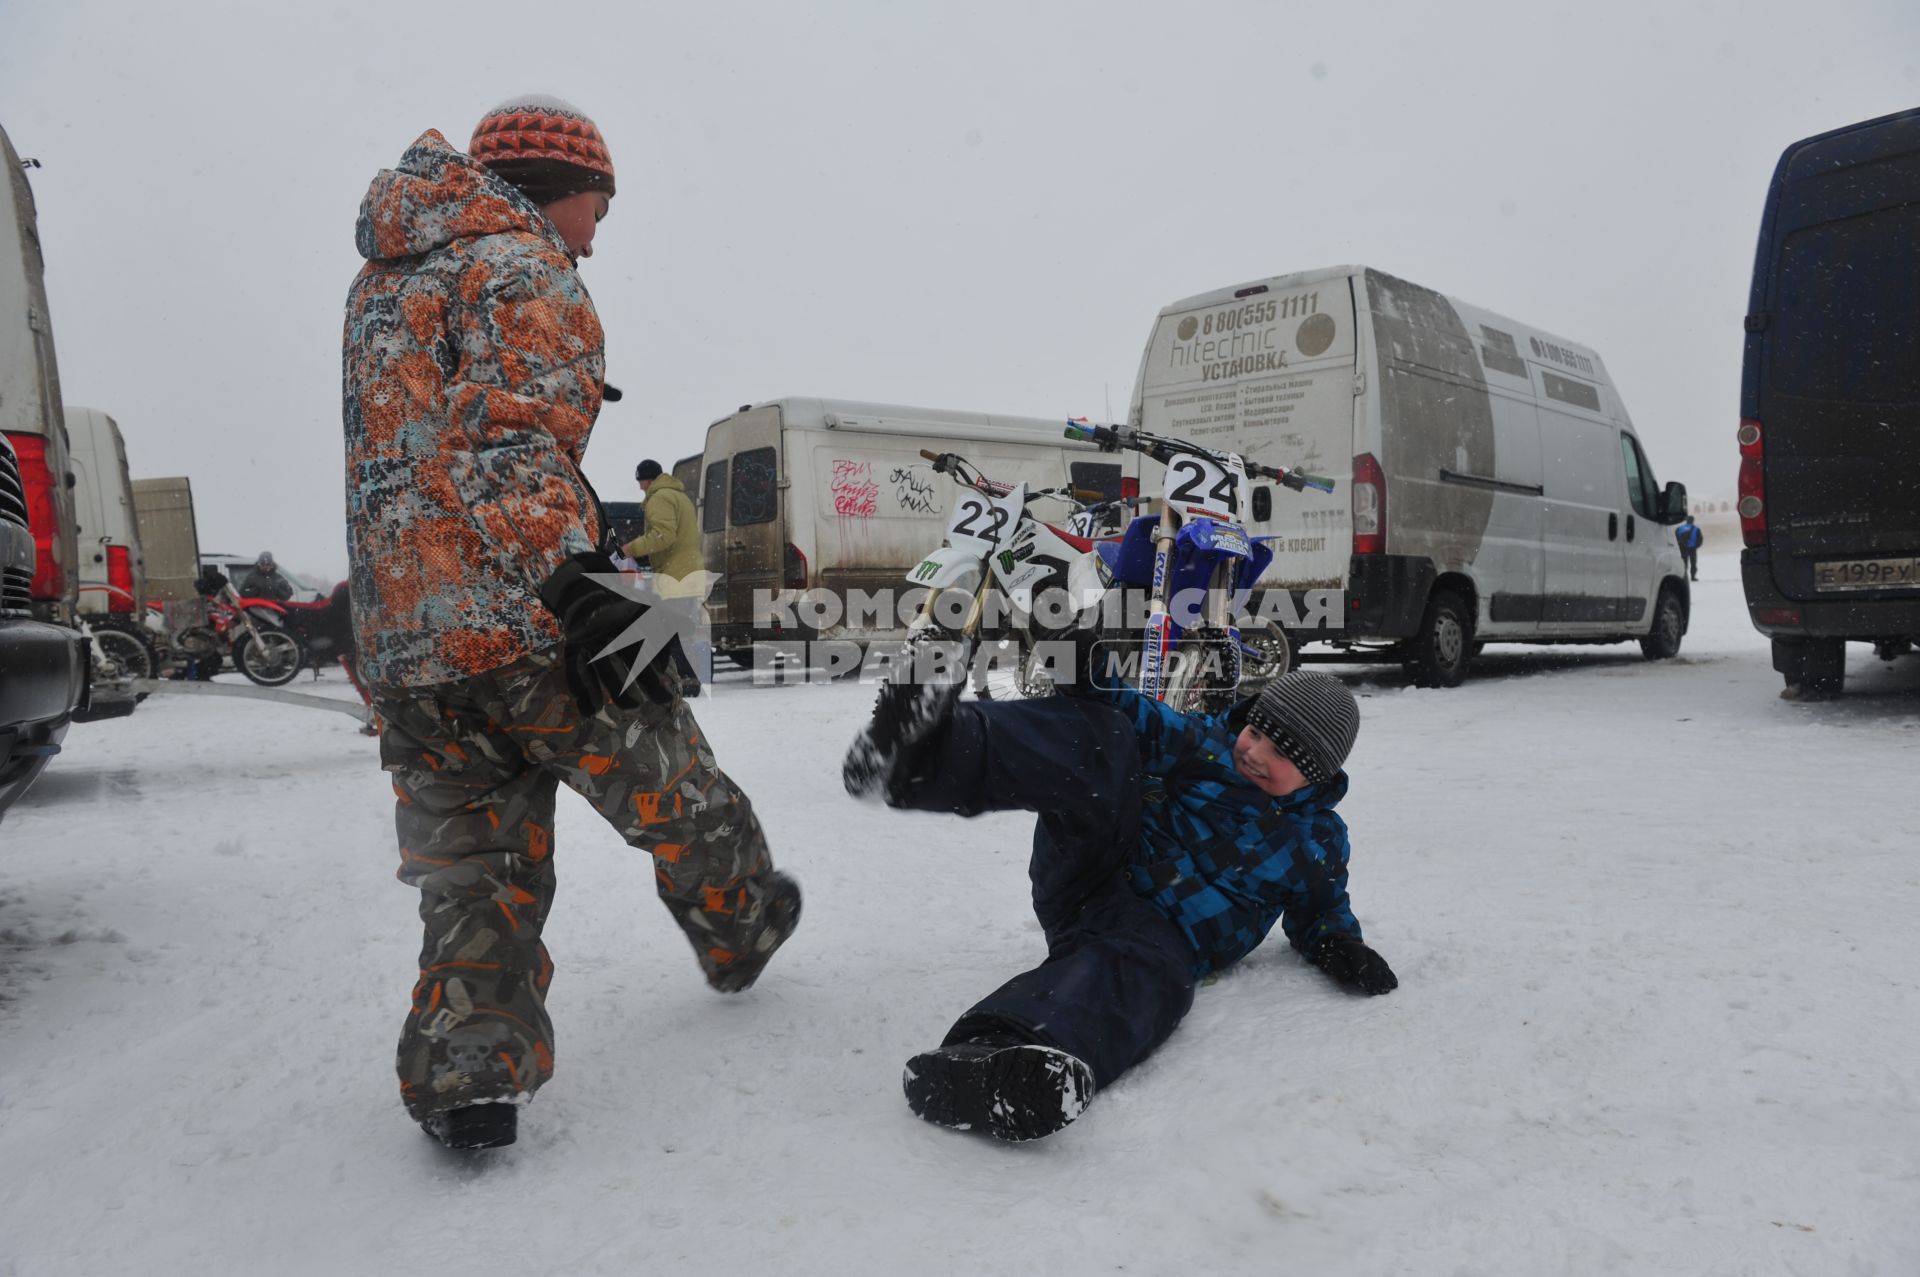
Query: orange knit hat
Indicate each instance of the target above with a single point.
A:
(531, 133)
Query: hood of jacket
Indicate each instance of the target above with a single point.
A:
(667, 483)
(436, 196)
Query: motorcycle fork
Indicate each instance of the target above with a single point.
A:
(1159, 632)
(1220, 615)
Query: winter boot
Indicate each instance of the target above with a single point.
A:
(779, 916)
(1009, 1089)
(474, 1126)
(907, 718)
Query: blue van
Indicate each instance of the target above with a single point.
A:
(1829, 494)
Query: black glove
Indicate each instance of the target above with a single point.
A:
(592, 616)
(1348, 960)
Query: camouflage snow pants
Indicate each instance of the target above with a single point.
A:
(475, 767)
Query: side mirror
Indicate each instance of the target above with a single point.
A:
(1673, 503)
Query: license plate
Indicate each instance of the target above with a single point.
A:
(1866, 574)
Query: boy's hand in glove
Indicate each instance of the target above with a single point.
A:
(592, 615)
(1349, 961)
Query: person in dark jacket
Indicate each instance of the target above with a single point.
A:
(264, 580)
(1167, 847)
(1689, 536)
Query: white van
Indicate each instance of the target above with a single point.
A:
(1490, 485)
(112, 569)
(834, 496)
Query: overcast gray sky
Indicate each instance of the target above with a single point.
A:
(975, 206)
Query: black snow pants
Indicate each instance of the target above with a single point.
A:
(1118, 975)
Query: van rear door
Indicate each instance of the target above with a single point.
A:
(1267, 371)
(742, 517)
(1838, 385)
(169, 542)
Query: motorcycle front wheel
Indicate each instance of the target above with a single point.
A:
(1266, 653)
(1011, 670)
(273, 661)
(1199, 683)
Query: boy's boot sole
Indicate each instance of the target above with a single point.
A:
(1014, 1093)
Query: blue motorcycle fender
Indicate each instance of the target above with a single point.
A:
(1131, 558)
(1210, 536)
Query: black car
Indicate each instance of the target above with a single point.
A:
(1830, 403)
(43, 667)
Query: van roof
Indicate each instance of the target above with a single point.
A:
(1220, 296)
(803, 413)
(1299, 279)
(1849, 145)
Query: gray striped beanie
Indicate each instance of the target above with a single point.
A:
(1311, 719)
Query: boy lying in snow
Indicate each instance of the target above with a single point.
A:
(1167, 847)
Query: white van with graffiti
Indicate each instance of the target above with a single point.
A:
(833, 497)
(1491, 487)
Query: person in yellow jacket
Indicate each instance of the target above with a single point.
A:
(671, 543)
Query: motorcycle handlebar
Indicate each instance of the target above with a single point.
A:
(1114, 438)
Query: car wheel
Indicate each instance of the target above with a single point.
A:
(1669, 624)
(1438, 655)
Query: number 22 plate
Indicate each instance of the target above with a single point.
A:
(980, 523)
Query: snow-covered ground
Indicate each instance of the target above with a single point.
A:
(1659, 1011)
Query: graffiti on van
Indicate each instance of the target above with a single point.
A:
(855, 494)
(913, 490)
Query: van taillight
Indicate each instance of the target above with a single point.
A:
(1369, 506)
(43, 515)
(1753, 485)
(120, 577)
(1129, 489)
(794, 568)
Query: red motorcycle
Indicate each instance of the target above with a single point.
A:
(271, 641)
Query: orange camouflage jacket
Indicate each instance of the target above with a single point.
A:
(473, 369)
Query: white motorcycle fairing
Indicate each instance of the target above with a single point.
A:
(947, 568)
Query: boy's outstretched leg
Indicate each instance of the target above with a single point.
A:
(1028, 1059)
(1000, 1085)
(908, 717)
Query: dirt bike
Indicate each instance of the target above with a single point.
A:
(247, 631)
(1200, 661)
(993, 539)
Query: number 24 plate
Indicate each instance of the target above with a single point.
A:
(1866, 574)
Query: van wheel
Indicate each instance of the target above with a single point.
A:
(1669, 624)
(1814, 669)
(1439, 654)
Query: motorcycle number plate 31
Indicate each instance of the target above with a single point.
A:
(980, 523)
(1199, 487)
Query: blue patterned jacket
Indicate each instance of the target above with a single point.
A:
(1220, 858)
